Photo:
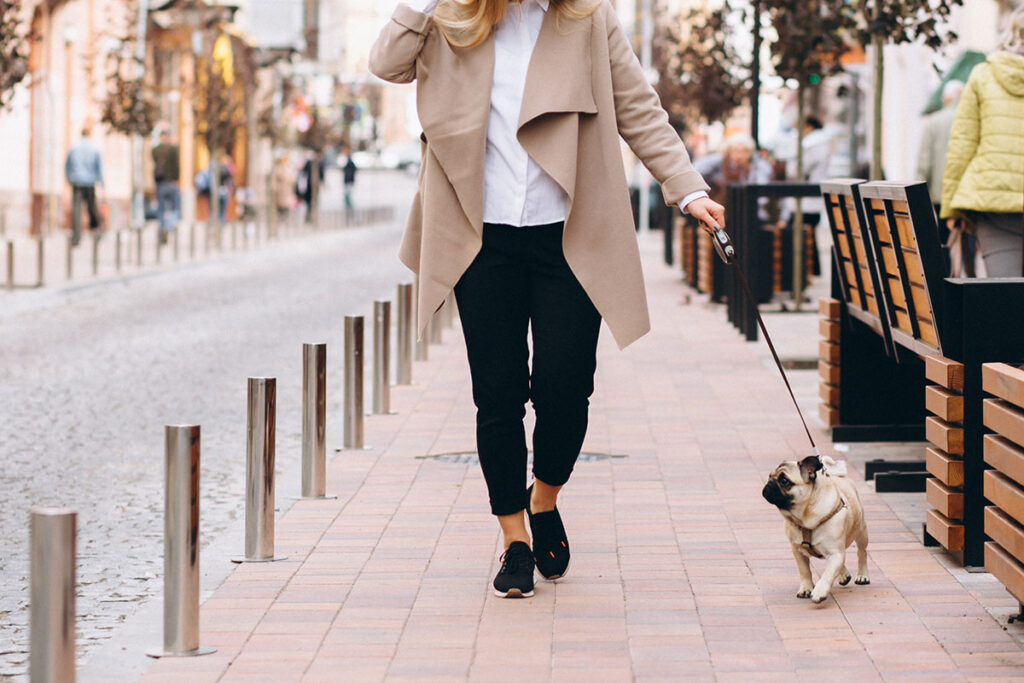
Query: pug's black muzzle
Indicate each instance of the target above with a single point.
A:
(774, 495)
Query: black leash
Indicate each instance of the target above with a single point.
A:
(725, 250)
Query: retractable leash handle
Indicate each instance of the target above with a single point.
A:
(727, 252)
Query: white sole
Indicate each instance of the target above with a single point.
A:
(513, 593)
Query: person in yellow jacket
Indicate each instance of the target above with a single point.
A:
(983, 185)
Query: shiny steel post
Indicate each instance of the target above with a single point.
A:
(69, 261)
(259, 471)
(436, 325)
(192, 240)
(95, 255)
(381, 357)
(138, 246)
(448, 311)
(181, 544)
(174, 235)
(405, 331)
(40, 259)
(117, 250)
(10, 265)
(353, 423)
(52, 595)
(314, 419)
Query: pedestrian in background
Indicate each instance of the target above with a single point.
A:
(523, 209)
(349, 173)
(983, 184)
(166, 174)
(83, 169)
(931, 152)
(304, 185)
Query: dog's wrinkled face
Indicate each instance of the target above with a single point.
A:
(792, 482)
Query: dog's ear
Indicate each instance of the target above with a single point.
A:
(809, 467)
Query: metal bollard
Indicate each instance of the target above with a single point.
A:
(448, 310)
(259, 471)
(381, 357)
(314, 418)
(436, 325)
(353, 422)
(175, 234)
(52, 595)
(117, 250)
(95, 255)
(405, 332)
(181, 544)
(70, 253)
(192, 241)
(158, 247)
(40, 260)
(138, 247)
(10, 265)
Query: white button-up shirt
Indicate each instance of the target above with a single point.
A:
(516, 190)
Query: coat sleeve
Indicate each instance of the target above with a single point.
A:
(393, 56)
(643, 123)
(963, 143)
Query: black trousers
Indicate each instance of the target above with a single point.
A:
(520, 284)
(80, 194)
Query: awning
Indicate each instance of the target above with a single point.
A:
(960, 70)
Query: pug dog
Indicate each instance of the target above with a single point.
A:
(823, 516)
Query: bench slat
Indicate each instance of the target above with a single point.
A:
(949, 503)
(944, 467)
(829, 393)
(1004, 381)
(828, 414)
(925, 328)
(949, 534)
(1004, 531)
(1004, 418)
(1004, 567)
(828, 372)
(829, 308)
(1002, 491)
(829, 329)
(945, 372)
(948, 437)
(828, 352)
(945, 404)
(1004, 456)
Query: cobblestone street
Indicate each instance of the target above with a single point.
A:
(91, 371)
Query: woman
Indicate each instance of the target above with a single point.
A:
(523, 210)
(983, 185)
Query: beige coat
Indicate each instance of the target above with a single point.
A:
(584, 88)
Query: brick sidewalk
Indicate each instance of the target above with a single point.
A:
(680, 568)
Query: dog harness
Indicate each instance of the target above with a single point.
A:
(807, 545)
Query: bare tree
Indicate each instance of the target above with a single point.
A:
(701, 76)
(893, 22)
(13, 59)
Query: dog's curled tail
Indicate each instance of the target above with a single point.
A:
(832, 467)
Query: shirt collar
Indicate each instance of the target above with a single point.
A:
(544, 4)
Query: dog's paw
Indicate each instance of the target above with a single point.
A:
(804, 593)
(818, 597)
(862, 580)
(844, 579)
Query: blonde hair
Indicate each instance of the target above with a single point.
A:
(467, 23)
(1013, 37)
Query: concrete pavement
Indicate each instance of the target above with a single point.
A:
(680, 569)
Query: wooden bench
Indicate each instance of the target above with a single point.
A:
(872, 393)
(944, 329)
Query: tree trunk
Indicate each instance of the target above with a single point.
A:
(214, 219)
(798, 216)
(877, 47)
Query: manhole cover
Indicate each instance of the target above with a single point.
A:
(472, 458)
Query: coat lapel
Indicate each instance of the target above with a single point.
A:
(456, 126)
(558, 90)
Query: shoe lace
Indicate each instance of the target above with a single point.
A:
(514, 560)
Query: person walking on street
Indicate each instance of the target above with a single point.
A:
(523, 209)
(983, 184)
(83, 169)
(282, 181)
(166, 174)
(349, 173)
(304, 185)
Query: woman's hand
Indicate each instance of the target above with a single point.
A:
(710, 213)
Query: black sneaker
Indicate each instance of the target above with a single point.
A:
(550, 544)
(515, 578)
